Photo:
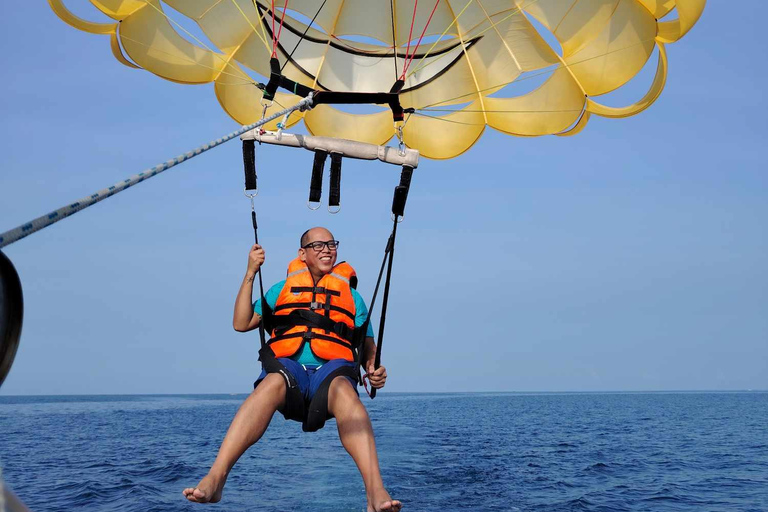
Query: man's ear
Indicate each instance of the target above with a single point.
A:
(302, 255)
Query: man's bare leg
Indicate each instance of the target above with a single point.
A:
(356, 435)
(247, 427)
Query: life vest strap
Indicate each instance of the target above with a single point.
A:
(308, 335)
(309, 305)
(312, 319)
(315, 289)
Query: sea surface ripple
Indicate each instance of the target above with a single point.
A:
(547, 452)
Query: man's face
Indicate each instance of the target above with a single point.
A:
(319, 262)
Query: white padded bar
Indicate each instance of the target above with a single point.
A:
(347, 148)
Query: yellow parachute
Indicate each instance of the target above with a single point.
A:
(453, 56)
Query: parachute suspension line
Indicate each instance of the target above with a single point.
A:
(274, 43)
(455, 20)
(410, 35)
(246, 80)
(276, 35)
(408, 60)
(394, 35)
(39, 223)
(477, 110)
(440, 118)
(226, 62)
(259, 16)
(302, 36)
(251, 190)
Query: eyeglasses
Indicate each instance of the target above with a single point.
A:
(318, 246)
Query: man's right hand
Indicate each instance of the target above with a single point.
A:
(255, 259)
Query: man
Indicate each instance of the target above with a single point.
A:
(305, 354)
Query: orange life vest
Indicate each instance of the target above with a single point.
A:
(322, 313)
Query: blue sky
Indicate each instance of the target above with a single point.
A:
(630, 257)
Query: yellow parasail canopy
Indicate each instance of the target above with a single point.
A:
(453, 55)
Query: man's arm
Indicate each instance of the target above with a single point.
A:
(245, 319)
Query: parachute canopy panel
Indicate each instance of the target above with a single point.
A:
(451, 55)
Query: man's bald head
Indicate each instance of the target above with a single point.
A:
(320, 262)
(314, 234)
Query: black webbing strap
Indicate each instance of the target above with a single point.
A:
(363, 330)
(401, 191)
(308, 318)
(362, 98)
(295, 408)
(316, 182)
(317, 409)
(249, 167)
(310, 335)
(276, 79)
(334, 194)
(309, 305)
(398, 208)
(322, 290)
(264, 306)
(384, 301)
(249, 164)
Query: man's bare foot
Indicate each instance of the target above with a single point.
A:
(381, 501)
(207, 491)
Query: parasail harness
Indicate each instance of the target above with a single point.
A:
(314, 414)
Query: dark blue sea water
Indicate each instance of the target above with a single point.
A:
(494, 452)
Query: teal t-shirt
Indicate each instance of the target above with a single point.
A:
(304, 355)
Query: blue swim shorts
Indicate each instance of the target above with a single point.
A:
(310, 378)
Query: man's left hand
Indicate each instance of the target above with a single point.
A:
(377, 377)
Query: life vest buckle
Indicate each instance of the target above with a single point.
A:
(315, 305)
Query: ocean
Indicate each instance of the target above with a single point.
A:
(548, 452)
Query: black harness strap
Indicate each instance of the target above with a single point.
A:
(317, 410)
(249, 164)
(313, 415)
(315, 289)
(303, 317)
(398, 208)
(334, 194)
(276, 79)
(294, 400)
(401, 191)
(308, 335)
(249, 168)
(363, 330)
(308, 305)
(316, 182)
